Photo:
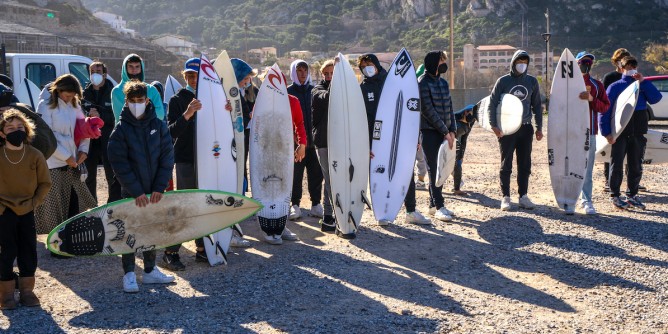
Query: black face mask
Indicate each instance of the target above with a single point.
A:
(17, 137)
(584, 68)
(6, 98)
(442, 68)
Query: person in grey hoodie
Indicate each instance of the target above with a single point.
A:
(525, 87)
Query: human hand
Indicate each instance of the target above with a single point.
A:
(371, 155)
(300, 153)
(586, 96)
(156, 197)
(93, 112)
(141, 201)
(193, 107)
(539, 135)
(81, 157)
(71, 162)
(639, 77)
(228, 106)
(610, 138)
(497, 132)
(450, 137)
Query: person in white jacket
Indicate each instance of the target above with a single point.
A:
(60, 105)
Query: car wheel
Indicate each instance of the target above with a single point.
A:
(650, 113)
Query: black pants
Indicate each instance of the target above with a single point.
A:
(409, 201)
(431, 143)
(185, 179)
(246, 150)
(461, 149)
(313, 176)
(519, 143)
(18, 241)
(632, 148)
(97, 152)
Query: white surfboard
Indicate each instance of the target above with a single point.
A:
(508, 114)
(172, 86)
(624, 107)
(215, 165)
(224, 69)
(271, 152)
(656, 151)
(28, 93)
(567, 132)
(447, 157)
(395, 138)
(348, 148)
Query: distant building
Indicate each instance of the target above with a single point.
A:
(177, 45)
(259, 56)
(41, 18)
(116, 22)
(485, 58)
(301, 54)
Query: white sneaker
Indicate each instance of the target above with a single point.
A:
(240, 242)
(273, 239)
(432, 211)
(157, 277)
(317, 211)
(505, 203)
(295, 212)
(384, 222)
(526, 203)
(417, 218)
(289, 235)
(130, 283)
(589, 208)
(421, 185)
(442, 215)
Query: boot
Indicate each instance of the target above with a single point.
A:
(27, 296)
(7, 301)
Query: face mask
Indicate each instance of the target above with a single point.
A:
(137, 109)
(520, 68)
(369, 71)
(631, 72)
(585, 68)
(96, 79)
(442, 68)
(17, 137)
(247, 85)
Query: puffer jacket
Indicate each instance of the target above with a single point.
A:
(319, 113)
(62, 121)
(437, 113)
(141, 153)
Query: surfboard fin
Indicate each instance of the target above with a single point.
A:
(222, 252)
(237, 228)
(337, 202)
(352, 220)
(365, 200)
(351, 169)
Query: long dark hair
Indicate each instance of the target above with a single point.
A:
(65, 83)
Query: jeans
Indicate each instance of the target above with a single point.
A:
(327, 195)
(519, 143)
(18, 240)
(313, 175)
(588, 181)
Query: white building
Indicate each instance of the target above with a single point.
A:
(262, 54)
(486, 58)
(177, 45)
(116, 22)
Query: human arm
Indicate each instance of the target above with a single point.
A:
(43, 182)
(537, 109)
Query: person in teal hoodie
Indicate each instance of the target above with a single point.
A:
(133, 68)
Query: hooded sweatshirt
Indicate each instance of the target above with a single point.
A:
(303, 93)
(436, 104)
(118, 97)
(523, 86)
(372, 87)
(320, 112)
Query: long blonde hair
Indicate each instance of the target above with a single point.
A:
(65, 83)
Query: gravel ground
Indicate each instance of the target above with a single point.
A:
(487, 271)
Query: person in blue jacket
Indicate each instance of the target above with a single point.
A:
(133, 69)
(630, 144)
(142, 156)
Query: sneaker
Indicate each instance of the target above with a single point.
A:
(200, 256)
(619, 204)
(417, 218)
(240, 242)
(420, 185)
(384, 222)
(505, 203)
(130, 283)
(635, 202)
(642, 188)
(460, 193)
(327, 224)
(156, 277)
(442, 215)
(606, 188)
(273, 239)
(295, 212)
(432, 211)
(589, 208)
(172, 261)
(288, 235)
(317, 210)
(525, 203)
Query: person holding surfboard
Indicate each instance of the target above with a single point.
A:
(598, 104)
(465, 120)
(525, 87)
(142, 156)
(437, 123)
(630, 144)
(25, 184)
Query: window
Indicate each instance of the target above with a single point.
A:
(483, 67)
(492, 60)
(492, 53)
(483, 61)
(41, 73)
(80, 71)
(483, 54)
(661, 85)
(502, 60)
(502, 53)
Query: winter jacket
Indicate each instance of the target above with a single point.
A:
(44, 140)
(523, 86)
(141, 153)
(297, 120)
(599, 105)
(303, 93)
(371, 89)
(118, 97)
(610, 78)
(639, 121)
(319, 113)
(436, 113)
(100, 100)
(62, 121)
(182, 130)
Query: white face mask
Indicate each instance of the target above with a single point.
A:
(369, 71)
(520, 68)
(137, 109)
(631, 72)
(96, 79)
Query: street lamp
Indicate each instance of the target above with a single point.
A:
(546, 36)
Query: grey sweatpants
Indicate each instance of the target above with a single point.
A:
(327, 194)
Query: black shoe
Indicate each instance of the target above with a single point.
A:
(200, 256)
(172, 262)
(327, 224)
(642, 188)
(348, 236)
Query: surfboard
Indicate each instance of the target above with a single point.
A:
(172, 86)
(223, 67)
(348, 148)
(28, 93)
(395, 138)
(624, 107)
(271, 152)
(567, 132)
(447, 157)
(656, 151)
(122, 228)
(508, 114)
(215, 165)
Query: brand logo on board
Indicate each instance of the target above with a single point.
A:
(403, 64)
(413, 104)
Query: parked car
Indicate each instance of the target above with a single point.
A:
(659, 111)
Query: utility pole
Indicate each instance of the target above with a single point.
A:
(246, 37)
(452, 45)
(546, 37)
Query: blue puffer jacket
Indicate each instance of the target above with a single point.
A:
(141, 153)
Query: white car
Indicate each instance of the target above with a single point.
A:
(659, 111)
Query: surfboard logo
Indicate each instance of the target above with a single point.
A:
(413, 104)
(567, 69)
(377, 128)
(234, 91)
(275, 79)
(403, 64)
(207, 69)
(587, 141)
(380, 169)
(664, 138)
(216, 150)
(550, 157)
(519, 92)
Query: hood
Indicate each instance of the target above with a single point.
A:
(241, 69)
(376, 62)
(293, 73)
(149, 114)
(420, 70)
(519, 54)
(431, 62)
(161, 89)
(124, 72)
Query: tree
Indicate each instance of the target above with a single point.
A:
(657, 55)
